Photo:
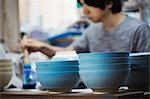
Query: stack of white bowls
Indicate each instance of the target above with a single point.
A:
(5, 72)
(104, 71)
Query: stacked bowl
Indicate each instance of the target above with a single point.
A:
(140, 72)
(60, 76)
(5, 72)
(104, 71)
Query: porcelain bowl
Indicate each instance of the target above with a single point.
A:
(104, 80)
(140, 72)
(52, 66)
(59, 81)
(101, 55)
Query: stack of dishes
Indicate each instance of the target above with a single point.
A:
(140, 71)
(104, 71)
(5, 72)
(57, 76)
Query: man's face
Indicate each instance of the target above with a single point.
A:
(94, 14)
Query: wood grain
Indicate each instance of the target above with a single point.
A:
(27, 94)
(9, 23)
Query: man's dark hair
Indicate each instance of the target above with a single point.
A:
(116, 4)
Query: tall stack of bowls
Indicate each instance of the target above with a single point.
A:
(5, 72)
(60, 76)
(140, 72)
(104, 71)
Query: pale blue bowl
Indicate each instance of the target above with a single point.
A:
(57, 63)
(57, 66)
(114, 66)
(109, 60)
(104, 79)
(58, 80)
(100, 55)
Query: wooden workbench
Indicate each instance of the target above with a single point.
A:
(37, 94)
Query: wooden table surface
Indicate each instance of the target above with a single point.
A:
(37, 94)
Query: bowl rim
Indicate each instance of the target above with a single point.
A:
(140, 54)
(50, 62)
(104, 53)
(58, 72)
(120, 70)
(114, 64)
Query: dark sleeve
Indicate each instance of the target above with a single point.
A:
(141, 39)
(81, 45)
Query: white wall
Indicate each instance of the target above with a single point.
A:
(49, 13)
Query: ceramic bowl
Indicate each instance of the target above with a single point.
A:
(140, 71)
(4, 79)
(104, 66)
(57, 63)
(57, 66)
(139, 80)
(104, 80)
(109, 60)
(98, 55)
(5, 61)
(58, 81)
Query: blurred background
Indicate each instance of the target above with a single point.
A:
(57, 22)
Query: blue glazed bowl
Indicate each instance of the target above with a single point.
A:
(57, 63)
(109, 60)
(102, 55)
(58, 80)
(104, 80)
(142, 61)
(140, 72)
(139, 80)
(104, 66)
(58, 68)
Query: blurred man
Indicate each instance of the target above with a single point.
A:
(111, 31)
